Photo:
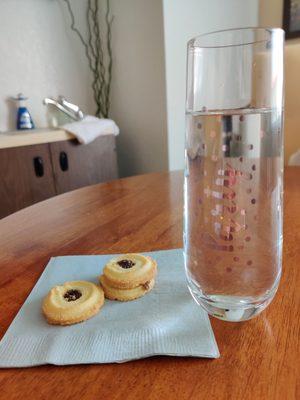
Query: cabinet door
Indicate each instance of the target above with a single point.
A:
(26, 177)
(76, 165)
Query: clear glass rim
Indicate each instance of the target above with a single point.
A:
(191, 44)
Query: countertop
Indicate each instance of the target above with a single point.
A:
(33, 136)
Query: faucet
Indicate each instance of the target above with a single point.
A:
(66, 107)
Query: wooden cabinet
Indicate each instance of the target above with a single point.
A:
(20, 185)
(75, 165)
(29, 174)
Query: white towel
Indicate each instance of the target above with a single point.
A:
(89, 128)
(295, 158)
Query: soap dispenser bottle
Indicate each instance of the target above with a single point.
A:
(24, 120)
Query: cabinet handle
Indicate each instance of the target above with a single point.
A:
(38, 166)
(63, 161)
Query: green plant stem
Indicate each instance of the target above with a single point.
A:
(100, 66)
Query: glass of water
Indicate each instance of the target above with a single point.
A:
(233, 173)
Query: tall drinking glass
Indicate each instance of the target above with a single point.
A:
(233, 175)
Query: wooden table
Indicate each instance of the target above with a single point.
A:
(259, 358)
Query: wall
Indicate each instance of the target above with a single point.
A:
(40, 57)
(182, 21)
(271, 15)
(138, 87)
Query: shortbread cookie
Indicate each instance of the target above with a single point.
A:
(125, 294)
(72, 302)
(129, 271)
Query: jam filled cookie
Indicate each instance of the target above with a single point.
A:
(125, 294)
(72, 302)
(129, 271)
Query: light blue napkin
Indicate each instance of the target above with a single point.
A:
(166, 321)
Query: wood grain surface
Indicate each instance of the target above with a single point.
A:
(19, 185)
(259, 358)
(87, 165)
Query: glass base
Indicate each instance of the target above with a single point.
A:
(231, 308)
